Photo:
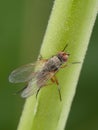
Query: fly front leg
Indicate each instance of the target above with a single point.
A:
(64, 66)
(54, 80)
(40, 58)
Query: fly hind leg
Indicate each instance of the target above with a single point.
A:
(54, 80)
(40, 88)
(37, 93)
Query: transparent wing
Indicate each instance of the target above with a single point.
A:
(24, 73)
(33, 85)
(31, 89)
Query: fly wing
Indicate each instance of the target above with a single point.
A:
(24, 73)
(33, 85)
(31, 89)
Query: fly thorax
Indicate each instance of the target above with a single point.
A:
(54, 63)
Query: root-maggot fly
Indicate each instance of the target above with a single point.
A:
(38, 79)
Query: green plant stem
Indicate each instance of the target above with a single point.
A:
(71, 23)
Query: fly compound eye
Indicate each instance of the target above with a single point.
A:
(62, 56)
(65, 57)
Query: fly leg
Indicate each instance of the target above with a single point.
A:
(54, 80)
(37, 93)
(40, 57)
(40, 88)
(21, 90)
(64, 66)
(41, 60)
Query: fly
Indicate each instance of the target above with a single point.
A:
(38, 79)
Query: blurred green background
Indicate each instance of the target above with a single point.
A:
(22, 27)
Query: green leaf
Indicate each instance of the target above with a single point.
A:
(71, 22)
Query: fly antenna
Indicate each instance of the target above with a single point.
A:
(65, 47)
(76, 62)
